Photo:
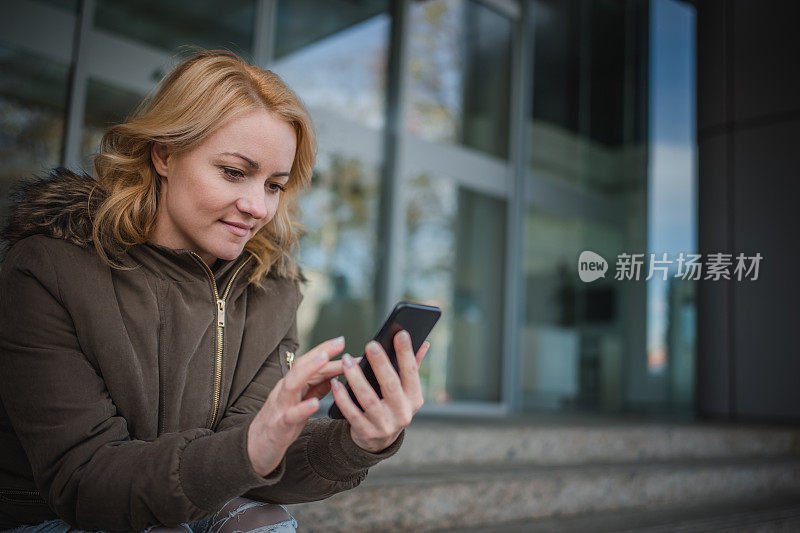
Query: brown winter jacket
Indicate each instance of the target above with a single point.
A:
(119, 409)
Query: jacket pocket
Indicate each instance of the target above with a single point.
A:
(285, 358)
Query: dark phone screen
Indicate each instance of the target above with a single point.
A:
(417, 319)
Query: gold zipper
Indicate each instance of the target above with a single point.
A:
(220, 328)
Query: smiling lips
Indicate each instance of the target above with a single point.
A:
(237, 228)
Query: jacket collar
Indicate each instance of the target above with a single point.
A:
(181, 264)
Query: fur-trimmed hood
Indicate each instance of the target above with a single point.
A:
(60, 205)
(56, 205)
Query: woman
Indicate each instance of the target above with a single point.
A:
(147, 373)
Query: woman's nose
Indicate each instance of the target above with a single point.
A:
(254, 203)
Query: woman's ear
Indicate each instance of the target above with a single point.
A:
(159, 154)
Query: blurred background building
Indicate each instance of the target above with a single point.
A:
(469, 151)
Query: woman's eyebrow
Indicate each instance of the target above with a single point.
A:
(250, 162)
(253, 164)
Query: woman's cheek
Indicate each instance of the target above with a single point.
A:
(272, 208)
(217, 195)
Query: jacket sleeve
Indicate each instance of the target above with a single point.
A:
(84, 462)
(323, 460)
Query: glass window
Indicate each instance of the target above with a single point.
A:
(338, 252)
(303, 23)
(33, 97)
(66, 5)
(454, 259)
(588, 167)
(334, 56)
(106, 105)
(459, 69)
(611, 167)
(168, 25)
(572, 355)
(672, 199)
(589, 108)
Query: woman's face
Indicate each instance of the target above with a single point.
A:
(216, 197)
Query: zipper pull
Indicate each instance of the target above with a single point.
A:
(221, 313)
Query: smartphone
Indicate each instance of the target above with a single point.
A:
(417, 319)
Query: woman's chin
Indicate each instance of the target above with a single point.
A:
(229, 251)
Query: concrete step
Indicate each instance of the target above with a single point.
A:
(776, 513)
(452, 474)
(450, 496)
(431, 442)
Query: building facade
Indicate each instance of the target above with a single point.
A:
(469, 153)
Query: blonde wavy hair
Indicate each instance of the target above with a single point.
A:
(190, 103)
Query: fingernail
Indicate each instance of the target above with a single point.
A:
(335, 384)
(347, 360)
(338, 342)
(358, 359)
(405, 337)
(321, 356)
(315, 403)
(373, 348)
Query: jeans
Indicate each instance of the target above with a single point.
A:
(238, 515)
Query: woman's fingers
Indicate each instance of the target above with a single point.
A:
(408, 368)
(349, 409)
(388, 379)
(321, 353)
(410, 375)
(365, 395)
(320, 390)
(298, 377)
(332, 346)
(330, 370)
(423, 350)
(291, 402)
(299, 413)
(306, 366)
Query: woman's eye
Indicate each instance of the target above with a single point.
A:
(277, 187)
(232, 173)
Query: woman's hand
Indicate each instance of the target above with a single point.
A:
(287, 408)
(382, 420)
